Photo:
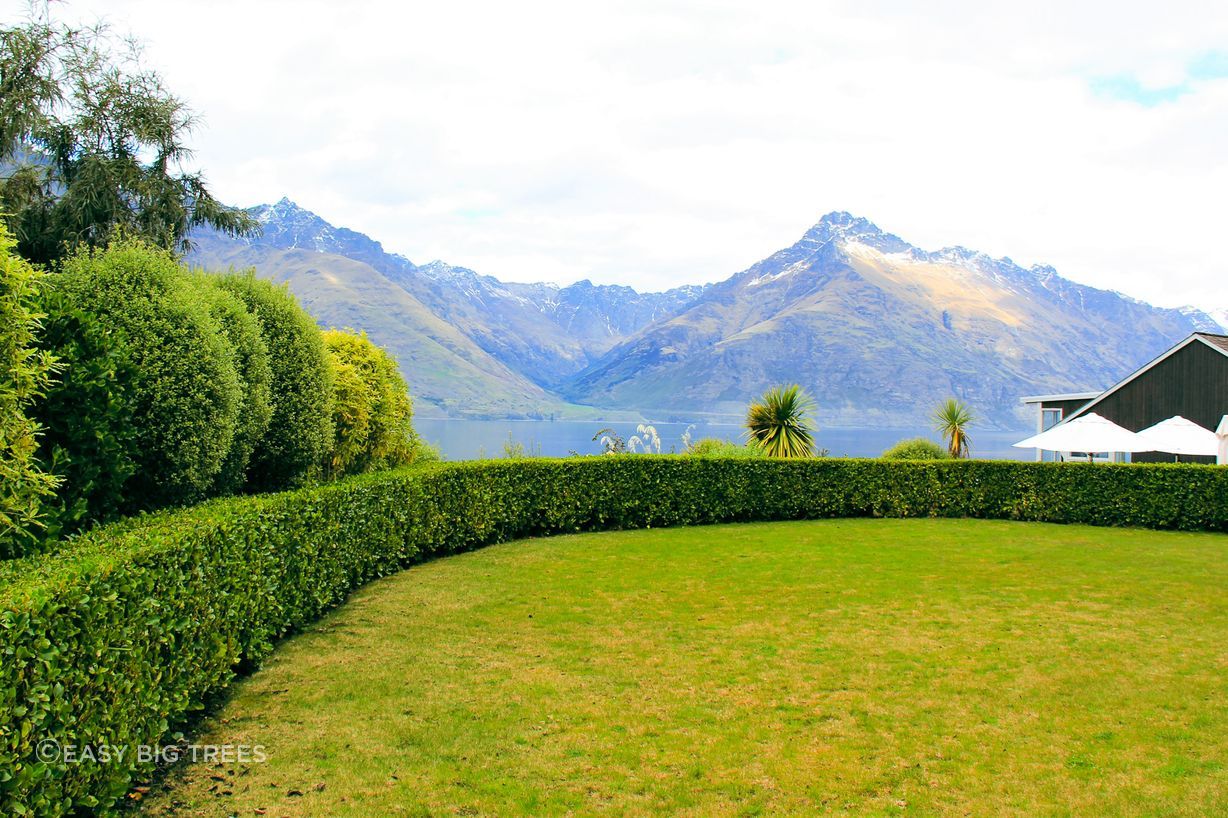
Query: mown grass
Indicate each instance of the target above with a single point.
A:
(860, 667)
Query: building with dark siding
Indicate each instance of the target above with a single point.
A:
(1190, 380)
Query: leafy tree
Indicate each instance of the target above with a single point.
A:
(300, 432)
(184, 391)
(372, 411)
(918, 448)
(952, 419)
(25, 372)
(779, 422)
(91, 140)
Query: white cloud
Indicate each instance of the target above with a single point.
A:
(660, 143)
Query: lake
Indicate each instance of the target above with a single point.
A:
(475, 439)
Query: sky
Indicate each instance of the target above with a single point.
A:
(679, 141)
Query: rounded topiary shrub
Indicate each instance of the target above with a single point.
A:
(372, 411)
(918, 448)
(181, 384)
(251, 359)
(300, 431)
(351, 420)
(89, 437)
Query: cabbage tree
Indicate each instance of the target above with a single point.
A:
(952, 419)
(780, 423)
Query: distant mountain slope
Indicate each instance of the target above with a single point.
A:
(880, 331)
(469, 344)
(545, 331)
(443, 367)
(541, 331)
(877, 329)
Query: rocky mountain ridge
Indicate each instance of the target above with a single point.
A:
(880, 330)
(877, 328)
(523, 338)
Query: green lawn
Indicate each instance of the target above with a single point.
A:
(860, 667)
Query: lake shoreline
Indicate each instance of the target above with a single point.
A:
(463, 439)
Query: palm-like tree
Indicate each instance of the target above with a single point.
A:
(952, 419)
(779, 422)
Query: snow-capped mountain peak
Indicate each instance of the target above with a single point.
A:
(840, 227)
(1215, 321)
(288, 226)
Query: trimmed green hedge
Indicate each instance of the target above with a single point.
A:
(126, 631)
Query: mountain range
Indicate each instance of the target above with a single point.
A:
(876, 329)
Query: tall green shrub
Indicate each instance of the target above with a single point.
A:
(351, 419)
(917, 448)
(300, 431)
(24, 373)
(90, 437)
(251, 360)
(372, 411)
(717, 447)
(184, 389)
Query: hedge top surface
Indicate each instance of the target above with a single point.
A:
(97, 550)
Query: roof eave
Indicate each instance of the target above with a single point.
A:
(1060, 397)
(1138, 373)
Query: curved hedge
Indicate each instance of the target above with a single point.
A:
(123, 633)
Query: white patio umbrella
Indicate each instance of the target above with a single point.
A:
(1221, 434)
(1179, 436)
(1089, 433)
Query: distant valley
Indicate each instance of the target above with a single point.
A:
(877, 329)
